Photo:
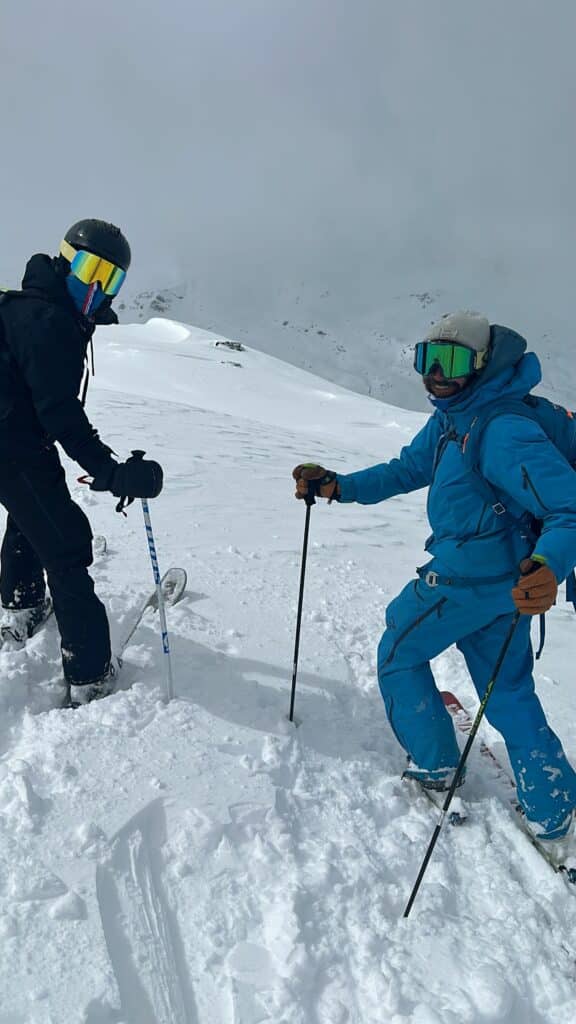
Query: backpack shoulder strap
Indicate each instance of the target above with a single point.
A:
(471, 445)
(472, 441)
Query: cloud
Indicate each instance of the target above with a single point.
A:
(247, 144)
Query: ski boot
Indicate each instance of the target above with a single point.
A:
(557, 844)
(543, 833)
(435, 785)
(85, 693)
(438, 781)
(19, 624)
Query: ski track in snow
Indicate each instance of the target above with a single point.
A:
(141, 934)
(205, 862)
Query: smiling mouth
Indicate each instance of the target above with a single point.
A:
(444, 389)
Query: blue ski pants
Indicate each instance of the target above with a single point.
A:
(424, 621)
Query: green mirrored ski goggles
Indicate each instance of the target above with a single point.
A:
(454, 360)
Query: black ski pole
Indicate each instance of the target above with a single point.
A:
(462, 761)
(310, 500)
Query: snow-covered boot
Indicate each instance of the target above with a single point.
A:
(559, 831)
(19, 624)
(435, 786)
(84, 693)
(558, 843)
(438, 781)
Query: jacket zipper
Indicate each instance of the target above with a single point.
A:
(476, 533)
(480, 521)
(528, 485)
(414, 625)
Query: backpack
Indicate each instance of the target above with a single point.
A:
(559, 425)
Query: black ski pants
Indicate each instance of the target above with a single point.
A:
(46, 530)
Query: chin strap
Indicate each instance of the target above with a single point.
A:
(88, 371)
(90, 295)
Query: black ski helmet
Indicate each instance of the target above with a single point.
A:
(102, 239)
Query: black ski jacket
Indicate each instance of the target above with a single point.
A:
(43, 345)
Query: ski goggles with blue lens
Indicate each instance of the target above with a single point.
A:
(92, 269)
(454, 360)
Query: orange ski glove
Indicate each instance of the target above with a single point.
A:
(536, 590)
(325, 480)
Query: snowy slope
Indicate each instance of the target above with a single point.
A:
(205, 862)
(364, 339)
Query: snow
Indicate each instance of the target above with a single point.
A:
(204, 861)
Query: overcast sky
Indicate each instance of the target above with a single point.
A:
(373, 144)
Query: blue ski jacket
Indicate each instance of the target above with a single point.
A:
(469, 539)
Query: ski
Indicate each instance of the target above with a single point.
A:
(173, 585)
(99, 546)
(464, 722)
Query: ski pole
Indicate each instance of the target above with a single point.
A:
(160, 596)
(310, 500)
(462, 761)
(136, 456)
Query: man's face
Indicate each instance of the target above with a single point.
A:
(437, 385)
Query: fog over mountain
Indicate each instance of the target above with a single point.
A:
(322, 178)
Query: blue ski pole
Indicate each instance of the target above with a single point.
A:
(161, 607)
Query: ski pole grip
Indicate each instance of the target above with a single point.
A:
(137, 454)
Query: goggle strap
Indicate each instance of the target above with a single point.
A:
(67, 251)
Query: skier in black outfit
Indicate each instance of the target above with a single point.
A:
(45, 330)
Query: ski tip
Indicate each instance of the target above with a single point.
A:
(449, 698)
(99, 545)
(173, 584)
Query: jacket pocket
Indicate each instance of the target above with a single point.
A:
(436, 607)
(527, 485)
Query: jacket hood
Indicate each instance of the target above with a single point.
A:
(41, 276)
(512, 373)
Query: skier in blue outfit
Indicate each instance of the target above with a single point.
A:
(483, 566)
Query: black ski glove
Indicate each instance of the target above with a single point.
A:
(135, 478)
